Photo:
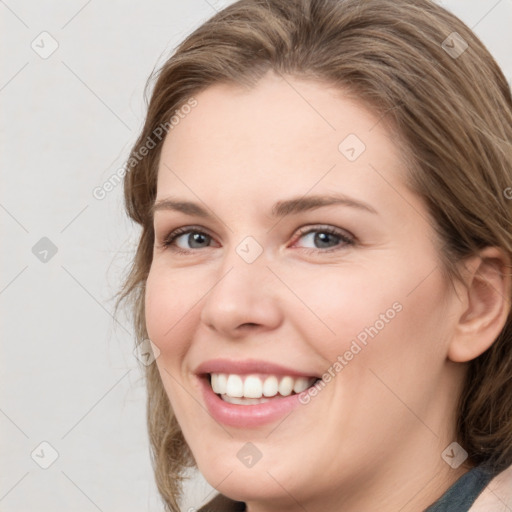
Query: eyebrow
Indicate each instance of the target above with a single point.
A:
(280, 209)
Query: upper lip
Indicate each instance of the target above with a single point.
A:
(246, 367)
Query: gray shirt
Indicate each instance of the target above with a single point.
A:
(464, 492)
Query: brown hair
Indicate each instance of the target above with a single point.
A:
(453, 112)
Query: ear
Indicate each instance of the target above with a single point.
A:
(486, 304)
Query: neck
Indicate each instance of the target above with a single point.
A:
(407, 484)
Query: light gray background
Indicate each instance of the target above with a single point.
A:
(68, 373)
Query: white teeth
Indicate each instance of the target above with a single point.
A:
(222, 382)
(301, 384)
(286, 386)
(235, 386)
(244, 401)
(251, 388)
(214, 382)
(270, 386)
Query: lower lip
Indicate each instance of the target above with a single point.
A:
(236, 415)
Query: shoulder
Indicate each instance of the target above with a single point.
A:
(497, 496)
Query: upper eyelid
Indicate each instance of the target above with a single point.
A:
(200, 229)
(183, 230)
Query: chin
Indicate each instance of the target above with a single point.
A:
(261, 482)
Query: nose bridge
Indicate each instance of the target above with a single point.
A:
(242, 293)
(243, 267)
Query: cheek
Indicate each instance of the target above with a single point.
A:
(403, 332)
(168, 310)
(391, 308)
(338, 305)
(170, 321)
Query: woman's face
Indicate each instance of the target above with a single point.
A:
(301, 254)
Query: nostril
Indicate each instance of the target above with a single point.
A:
(249, 324)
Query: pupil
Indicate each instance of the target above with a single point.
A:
(323, 238)
(196, 238)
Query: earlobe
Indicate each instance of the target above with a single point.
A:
(486, 305)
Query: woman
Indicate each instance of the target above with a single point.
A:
(324, 265)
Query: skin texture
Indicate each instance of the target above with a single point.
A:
(373, 437)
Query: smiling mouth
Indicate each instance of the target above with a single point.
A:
(254, 389)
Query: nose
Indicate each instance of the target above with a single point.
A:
(242, 300)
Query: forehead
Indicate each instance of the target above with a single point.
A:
(284, 132)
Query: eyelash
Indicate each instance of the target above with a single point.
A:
(168, 242)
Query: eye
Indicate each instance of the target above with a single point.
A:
(186, 239)
(325, 237)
